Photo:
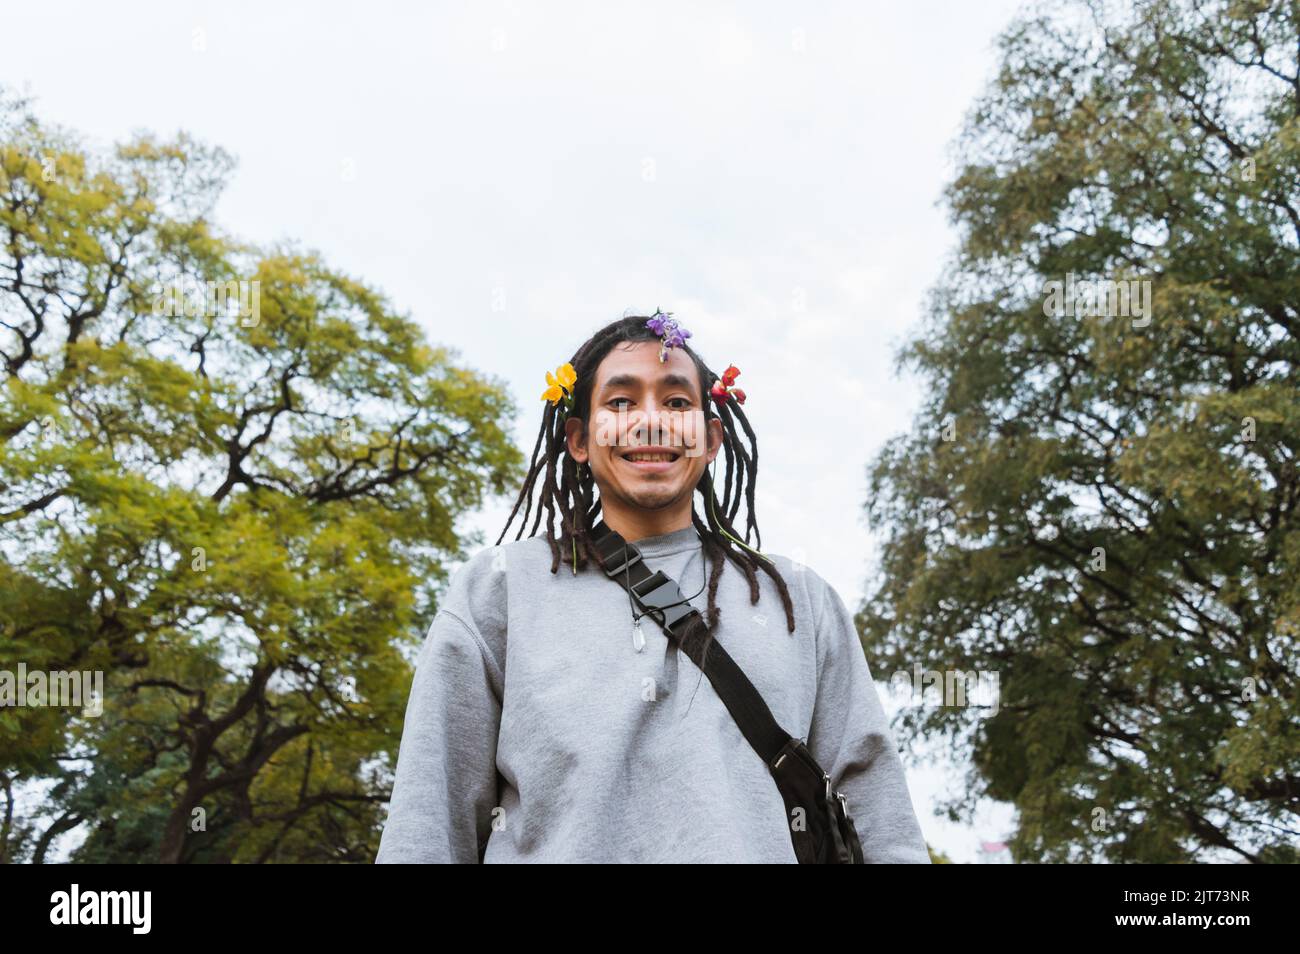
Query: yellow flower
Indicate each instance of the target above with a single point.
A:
(561, 383)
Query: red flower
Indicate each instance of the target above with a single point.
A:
(722, 389)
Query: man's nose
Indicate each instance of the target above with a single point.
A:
(658, 421)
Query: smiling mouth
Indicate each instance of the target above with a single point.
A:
(638, 456)
(650, 461)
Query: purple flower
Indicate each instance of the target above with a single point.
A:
(666, 326)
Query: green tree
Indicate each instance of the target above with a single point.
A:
(1102, 509)
(234, 500)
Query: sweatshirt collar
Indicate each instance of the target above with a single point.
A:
(664, 544)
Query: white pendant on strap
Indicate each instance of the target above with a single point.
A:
(638, 638)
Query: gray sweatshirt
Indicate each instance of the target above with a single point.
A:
(535, 731)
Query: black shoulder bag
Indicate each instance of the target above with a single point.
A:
(828, 835)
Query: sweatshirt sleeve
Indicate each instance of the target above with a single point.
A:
(850, 738)
(445, 785)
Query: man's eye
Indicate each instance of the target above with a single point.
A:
(686, 402)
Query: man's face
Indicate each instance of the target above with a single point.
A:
(638, 403)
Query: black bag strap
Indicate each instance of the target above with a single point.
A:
(655, 592)
(831, 836)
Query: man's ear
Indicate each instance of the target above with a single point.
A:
(575, 440)
(715, 438)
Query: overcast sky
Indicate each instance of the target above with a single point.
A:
(514, 175)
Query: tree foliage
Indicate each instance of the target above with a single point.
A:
(240, 515)
(1099, 509)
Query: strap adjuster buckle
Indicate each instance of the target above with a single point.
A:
(632, 557)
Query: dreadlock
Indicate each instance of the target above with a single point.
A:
(573, 496)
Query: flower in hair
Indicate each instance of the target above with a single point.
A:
(667, 328)
(723, 389)
(560, 387)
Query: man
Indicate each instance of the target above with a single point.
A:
(546, 723)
